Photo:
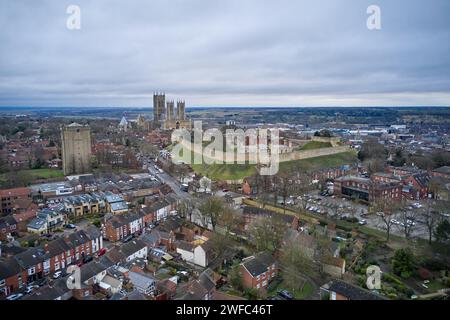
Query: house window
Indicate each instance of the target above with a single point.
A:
(56, 265)
(264, 283)
(31, 271)
(2, 283)
(258, 286)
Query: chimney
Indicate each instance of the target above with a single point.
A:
(46, 248)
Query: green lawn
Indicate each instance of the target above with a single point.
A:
(315, 145)
(240, 171)
(29, 176)
(225, 171)
(282, 285)
(44, 173)
(328, 161)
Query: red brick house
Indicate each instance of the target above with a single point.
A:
(120, 226)
(418, 185)
(10, 196)
(38, 262)
(365, 189)
(257, 272)
(8, 225)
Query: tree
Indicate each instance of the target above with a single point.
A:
(235, 278)
(403, 263)
(185, 208)
(267, 232)
(385, 208)
(374, 165)
(442, 232)
(430, 219)
(441, 158)
(399, 158)
(231, 220)
(294, 262)
(212, 209)
(372, 149)
(407, 222)
(148, 150)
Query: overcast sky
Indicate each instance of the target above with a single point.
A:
(225, 53)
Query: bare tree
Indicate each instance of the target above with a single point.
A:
(212, 209)
(185, 208)
(430, 218)
(407, 220)
(294, 263)
(267, 232)
(386, 208)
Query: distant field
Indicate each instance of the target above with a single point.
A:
(28, 176)
(315, 145)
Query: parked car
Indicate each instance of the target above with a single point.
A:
(70, 226)
(101, 252)
(16, 296)
(87, 259)
(285, 294)
(362, 222)
(30, 288)
(127, 239)
(393, 221)
(57, 274)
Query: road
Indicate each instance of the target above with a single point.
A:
(169, 180)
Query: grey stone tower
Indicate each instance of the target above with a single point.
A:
(180, 110)
(76, 148)
(159, 101)
(170, 108)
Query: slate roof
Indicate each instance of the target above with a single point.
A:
(444, 170)
(353, 292)
(422, 179)
(37, 223)
(8, 268)
(259, 264)
(91, 269)
(206, 280)
(118, 206)
(184, 245)
(141, 280)
(7, 221)
(132, 247)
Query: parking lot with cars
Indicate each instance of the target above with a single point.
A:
(339, 208)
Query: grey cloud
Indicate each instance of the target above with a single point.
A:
(286, 52)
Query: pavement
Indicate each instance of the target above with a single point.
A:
(169, 180)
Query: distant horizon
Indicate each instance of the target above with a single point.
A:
(226, 107)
